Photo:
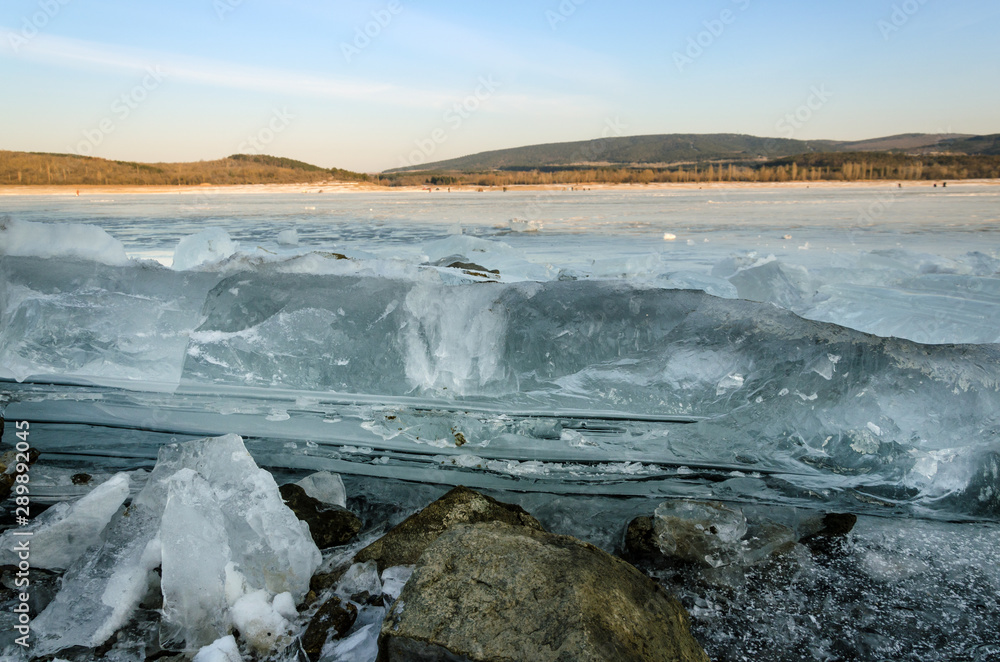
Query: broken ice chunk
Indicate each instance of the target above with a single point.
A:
(65, 531)
(270, 547)
(99, 596)
(195, 552)
(326, 487)
(360, 578)
(703, 532)
(393, 579)
(362, 646)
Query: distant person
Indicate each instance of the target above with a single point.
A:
(944, 184)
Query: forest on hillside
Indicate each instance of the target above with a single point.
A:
(826, 166)
(34, 168)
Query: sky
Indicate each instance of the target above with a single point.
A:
(375, 85)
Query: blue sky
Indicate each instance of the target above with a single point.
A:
(202, 79)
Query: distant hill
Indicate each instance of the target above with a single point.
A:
(70, 169)
(988, 145)
(672, 149)
(631, 150)
(904, 142)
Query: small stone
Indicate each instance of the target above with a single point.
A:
(404, 544)
(81, 479)
(329, 525)
(472, 266)
(828, 532)
(324, 580)
(333, 619)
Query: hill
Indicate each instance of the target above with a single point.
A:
(904, 142)
(630, 150)
(70, 169)
(677, 149)
(988, 145)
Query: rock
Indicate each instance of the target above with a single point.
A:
(81, 478)
(333, 617)
(826, 532)
(324, 580)
(404, 544)
(473, 269)
(493, 591)
(329, 525)
(640, 542)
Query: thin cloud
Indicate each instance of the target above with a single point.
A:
(96, 56)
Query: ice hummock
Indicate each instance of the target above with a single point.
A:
(216, 525)
(205, 247)
(60, 240)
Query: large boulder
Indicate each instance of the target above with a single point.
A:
(494, 591)
(404, 544)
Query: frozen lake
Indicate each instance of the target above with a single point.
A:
(585, 353)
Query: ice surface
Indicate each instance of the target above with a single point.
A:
(207, 246)
(60, 240)
(325, 487)
(195, 551)
(64, 532)
(223, 649)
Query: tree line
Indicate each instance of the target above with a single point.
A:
(30, 168)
